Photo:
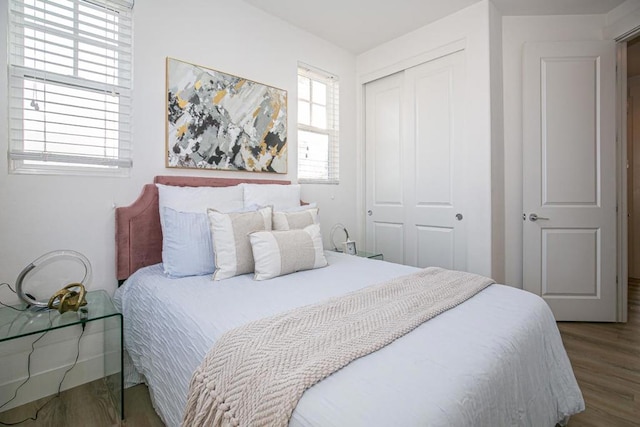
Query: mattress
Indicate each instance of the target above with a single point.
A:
(496, 359)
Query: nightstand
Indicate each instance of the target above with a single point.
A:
(371, 255)
(103, 318)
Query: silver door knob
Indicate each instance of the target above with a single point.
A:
(459, 216)
(534, 217)
(369, 212)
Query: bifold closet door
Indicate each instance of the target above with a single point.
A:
(414, 149)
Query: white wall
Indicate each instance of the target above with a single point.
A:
(42, 213)
(497, 147)
(516, 30)
(469, 27)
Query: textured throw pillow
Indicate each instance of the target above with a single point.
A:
(280, 197)
(282, 252)
(295, 220)
(230, 236)
(187, 249)
(198, 199)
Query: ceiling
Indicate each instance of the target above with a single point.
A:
(359, 25)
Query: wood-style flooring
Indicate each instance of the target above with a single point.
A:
(88, 405)
(605, 359)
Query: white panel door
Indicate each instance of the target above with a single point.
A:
(413, 171)
(384, 167)
(435, 177)
(569, 178)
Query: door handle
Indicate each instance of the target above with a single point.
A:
(459, 216)
(534, 217)
(369, 212)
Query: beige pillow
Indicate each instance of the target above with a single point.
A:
(295, 220)
(230, 237)
(277, 253)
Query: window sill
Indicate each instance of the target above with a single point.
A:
(68, 171)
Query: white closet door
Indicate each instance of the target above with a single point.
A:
(414, 147)
(385, 168)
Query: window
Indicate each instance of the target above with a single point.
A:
(70, 86)
(318, 151)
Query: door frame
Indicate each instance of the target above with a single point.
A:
(622, 276)
(622, 161)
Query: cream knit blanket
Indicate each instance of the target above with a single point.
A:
(255, 374)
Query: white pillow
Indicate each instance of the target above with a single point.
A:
(281, 197)
(295, 220)
(187, 249)
(282, 252)
(230, 238)
(186, 244)
(301, 207)
(198, 199)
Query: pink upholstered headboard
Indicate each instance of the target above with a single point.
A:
(138, 232)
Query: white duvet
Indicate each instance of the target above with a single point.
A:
(495, 360)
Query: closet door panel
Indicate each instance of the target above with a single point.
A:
(414, 173)
(385, 198)
(434, 205)
(433, 114)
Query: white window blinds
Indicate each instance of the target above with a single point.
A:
(318, 131)
(70, 85)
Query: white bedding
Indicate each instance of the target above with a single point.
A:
(495, 360)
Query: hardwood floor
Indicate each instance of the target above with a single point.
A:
(88, 405)
(138, 410)
(606, 361)
(605, 358)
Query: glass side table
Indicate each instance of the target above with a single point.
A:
(371, 255)
(365, 254)
(102, 318)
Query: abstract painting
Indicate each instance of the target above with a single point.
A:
(220, 121)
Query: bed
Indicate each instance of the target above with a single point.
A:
(496, 359)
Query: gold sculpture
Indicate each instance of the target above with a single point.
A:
(69, 298)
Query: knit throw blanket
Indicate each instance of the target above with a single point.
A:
(255, 374)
